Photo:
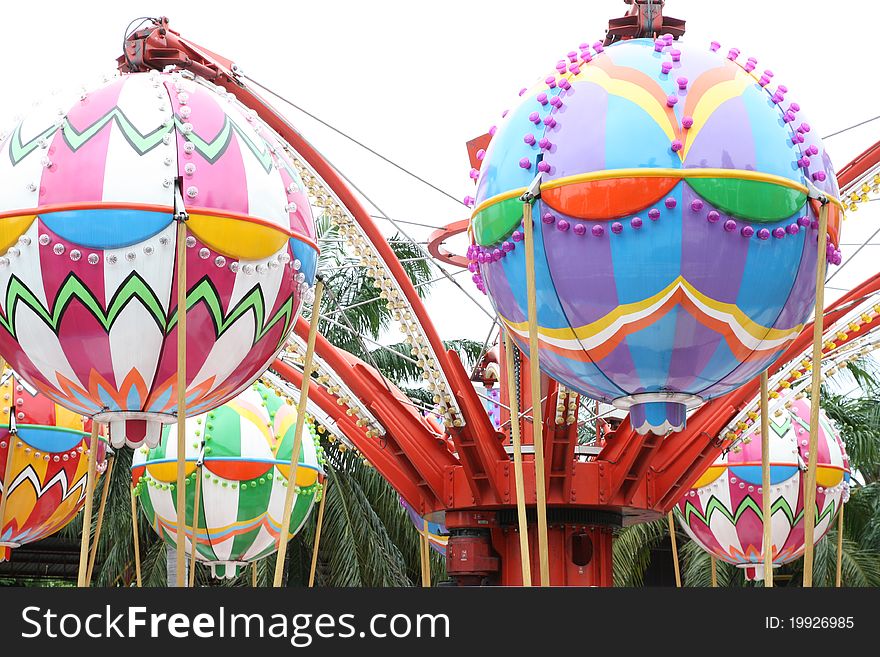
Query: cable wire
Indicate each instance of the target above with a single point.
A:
(354, 141)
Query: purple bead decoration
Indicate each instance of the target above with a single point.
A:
(804, 127)
(714, 46)
(813, 150)
(676, 55)
(598, 47)
(469, 201)
(580, 229)
(481, 154)
(497, 254)
(687, 122)
(747, 231)
(507, 247)
(670, 203)
(572, 56)
(779, 233)
(550, 81)
(665, 67)
(565, 84)
(548, 218)
(550, 122)
(493, 130)
(636, 222)
(472, 267)
(793, 229)
(562, 225)
(659, 45)
(516, 236)
(676, 146)
(541, 98)
(617, 227)
(598, 230)
(543, 167)
(534, 117)
(525, 163)
(819, 176)
(474, 174)
(653, 214)
(713, 216)
(682, 83)
(764, 234)
(696, 205)
(556, 101)
(529, 139)
(544, 143)
(730, 225)
(804, 222)
(671, 101)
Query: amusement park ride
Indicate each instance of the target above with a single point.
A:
(462, 468)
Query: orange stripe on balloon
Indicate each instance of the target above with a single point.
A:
(702, 84)
(607, 199)
(642, 80)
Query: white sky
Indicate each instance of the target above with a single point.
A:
(416, 81)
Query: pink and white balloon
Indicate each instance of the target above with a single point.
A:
(723, 511)
(89, 192)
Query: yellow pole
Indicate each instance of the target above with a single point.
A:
(839, 581)
(766, 499)
(87, 510)
(94, 552)
(426, 556)
(818, 327)
(7, 477)
(535, 377)
(195, 524)
(714, 566)
(513, 400)
(180, 538)
(137, 543)
(254, 574)
(297, 435)
(674, 549)
(314, 566)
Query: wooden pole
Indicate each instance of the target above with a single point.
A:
(839, 580)
(513, 400)
(100, 523)
(297, 435)
(87, 510)
(535, 378)
(7, 476)
(766, 499)
(314, 567)
(180, 539)
(254, 575)
(136, 538)
(818, 327)
(197, 495)
(426, 556)
(714, 565)
(674, 549)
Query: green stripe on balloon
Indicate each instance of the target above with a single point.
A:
(496, 222)
(754, 200)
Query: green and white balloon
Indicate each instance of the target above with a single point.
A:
(245, 447)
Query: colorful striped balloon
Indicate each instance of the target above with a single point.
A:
(47, 480)
(88, 236)
(247, 447)
(723, 512)
(675, 244)
(438, 536)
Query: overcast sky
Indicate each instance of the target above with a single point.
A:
(416, 80)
